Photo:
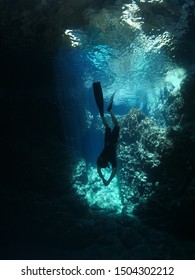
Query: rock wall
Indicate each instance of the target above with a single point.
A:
(141, 147)
(170, 202)
(41, 23)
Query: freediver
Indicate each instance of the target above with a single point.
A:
(108, 154)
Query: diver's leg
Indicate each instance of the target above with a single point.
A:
(111, 102)
(97, 89)
(109, 109)
(114, 119)
(104, 121)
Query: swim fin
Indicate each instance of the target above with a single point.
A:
(97, 89)
(111, 102)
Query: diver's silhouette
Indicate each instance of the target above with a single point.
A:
(108, 154)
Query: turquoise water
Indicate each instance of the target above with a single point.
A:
(131, 49)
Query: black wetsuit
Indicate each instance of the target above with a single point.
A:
(110, 144)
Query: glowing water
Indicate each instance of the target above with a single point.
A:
(97, 195)
(140, 67)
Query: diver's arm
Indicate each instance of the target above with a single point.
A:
(107, 182)
(114, 170)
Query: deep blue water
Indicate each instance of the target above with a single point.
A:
(51, 124)
(145, 69)
(145, 85)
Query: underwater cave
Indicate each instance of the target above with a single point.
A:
(56, 206)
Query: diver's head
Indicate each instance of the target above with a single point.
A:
(102, 163)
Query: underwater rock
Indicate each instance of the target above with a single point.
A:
(141, 146)
(173, 109)
(38, 23)
(79, 174)
(155, 17)
(42, 23)
(129, 237)
(89, 187)
(171, 205)
(108, 25)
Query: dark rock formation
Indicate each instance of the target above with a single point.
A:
(41, 23)
(141, 147)
(157, 165)
(38, 24)
(172, 204)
